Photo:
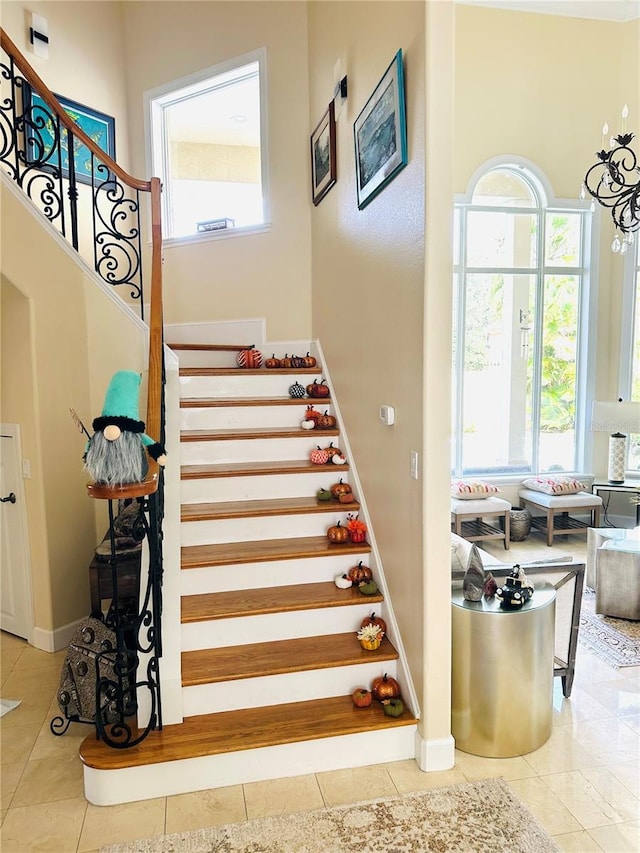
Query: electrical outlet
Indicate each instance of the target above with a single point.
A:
(414, 464)
(26, 469)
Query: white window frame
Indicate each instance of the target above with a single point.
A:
(586, 354)
(628, 313)
(184, 87)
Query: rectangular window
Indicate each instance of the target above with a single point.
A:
(207, 135)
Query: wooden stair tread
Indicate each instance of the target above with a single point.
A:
(247, 728)
(210, 347)
(261, 508)
(226, 402)
(256, 660)
(248, 434)
(265, 550)
(252, 371)
(251, 469)
(279, 599)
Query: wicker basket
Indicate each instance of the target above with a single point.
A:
(519, 524)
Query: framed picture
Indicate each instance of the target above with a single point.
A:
(40, 142)
(380, 134)
(323, 155)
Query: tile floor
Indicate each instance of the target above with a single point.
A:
(583, 784)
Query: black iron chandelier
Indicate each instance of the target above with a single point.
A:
(614, 182)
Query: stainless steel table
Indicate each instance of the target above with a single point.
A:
(502, 674)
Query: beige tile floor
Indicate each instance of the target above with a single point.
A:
(583, 784)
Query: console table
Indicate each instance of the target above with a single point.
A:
(630, 487)
(502, 674)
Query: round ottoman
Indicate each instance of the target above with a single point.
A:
(520, 524)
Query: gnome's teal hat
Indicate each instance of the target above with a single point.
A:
(121, 403)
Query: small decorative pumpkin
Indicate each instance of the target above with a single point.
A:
(324, 495)
(338, 534)
(370, 637)
(308, 424)
(309, 361)
(318, 456)
(286, 361)
(296, 390)
(357, 529)
(347, 498)
(393, 707)
(368, 587)
(343, 581)
(374, 620)
(337, 459)
(272, 363)
(311, 414)
(360, 573)
(361, 697)
(385, 687)
(319, 389)
(340, 488)
(249, 358)
(297, 361)
(333, 451)
(326, 421)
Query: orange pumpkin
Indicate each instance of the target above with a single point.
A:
(326, 421)
(338, 534)
(340, 488)
(374, 620)
(249, 358)
(318, 389)
(360, 573)
(309, 361)
(384, 688)
(272, 362)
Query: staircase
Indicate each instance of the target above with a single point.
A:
(269, 649)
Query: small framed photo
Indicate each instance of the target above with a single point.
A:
(323, 155)
(380, 134)
(41, 135)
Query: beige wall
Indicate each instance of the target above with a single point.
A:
(54, 359)
(264, 275)
(369, 311)
(86, 58)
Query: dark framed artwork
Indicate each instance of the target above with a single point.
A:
(380, 134)
(323, 155)
(41, 134)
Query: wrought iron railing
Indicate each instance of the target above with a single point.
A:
(84, 193)
(74, 183)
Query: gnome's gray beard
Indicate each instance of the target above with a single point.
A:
(116, 462)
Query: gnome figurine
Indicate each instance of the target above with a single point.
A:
(117, 451)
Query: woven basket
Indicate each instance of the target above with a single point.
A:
(519, 524)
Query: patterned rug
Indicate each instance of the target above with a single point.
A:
(475, 817)
(615, 641)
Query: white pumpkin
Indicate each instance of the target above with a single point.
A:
(308, 424)
(343, 581)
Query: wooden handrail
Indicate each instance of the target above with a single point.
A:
(154, 188)
(54, 105)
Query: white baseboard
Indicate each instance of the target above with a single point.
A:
(437, 754)
(56, 640)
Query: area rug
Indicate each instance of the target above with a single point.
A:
(475, 817)
(615, 641)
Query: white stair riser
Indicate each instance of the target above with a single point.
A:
(245, 417)
(263, 384)
(110, 787)
(268, 628)
(252, 450)
(214, 489)
(209, 358)
(276, 573)
(261, 527)
(287, 687)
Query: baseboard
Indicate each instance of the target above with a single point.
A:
(54, 641)
(437, 754)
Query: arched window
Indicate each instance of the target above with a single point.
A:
(630, 346)
(520, 358)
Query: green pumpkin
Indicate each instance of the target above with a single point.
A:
(324, 495)
(368, 588)
(394, 707)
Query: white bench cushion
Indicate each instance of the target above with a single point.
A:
(484, 506)
(559, 501)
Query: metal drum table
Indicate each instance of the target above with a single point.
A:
(502, 674)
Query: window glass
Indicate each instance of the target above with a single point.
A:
(562, 239)
(634, 439)
(502, 188)
(496, 239)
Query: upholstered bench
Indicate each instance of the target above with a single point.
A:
(555, 518)
(467, 519)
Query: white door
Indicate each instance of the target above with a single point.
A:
(15, 568)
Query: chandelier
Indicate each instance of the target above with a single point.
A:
(614, 182)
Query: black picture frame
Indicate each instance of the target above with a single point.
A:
(40, 134)
(323, 155)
